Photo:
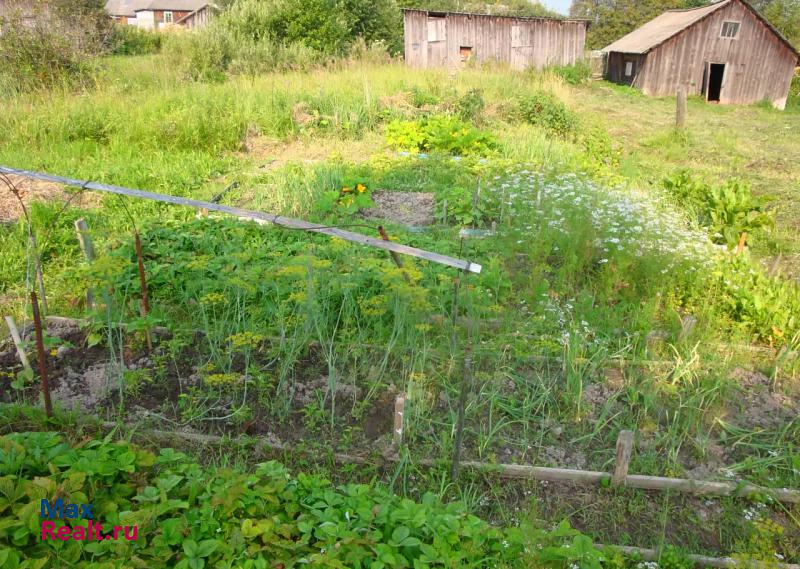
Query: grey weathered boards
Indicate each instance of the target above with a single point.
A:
(725, 51)
(436, 39)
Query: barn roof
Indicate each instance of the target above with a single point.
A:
(661, 28)
(505, 16)
(670, 23)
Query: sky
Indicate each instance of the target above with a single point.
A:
(561, 6)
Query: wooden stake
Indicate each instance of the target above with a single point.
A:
(742, 242)
(37, 323)
(395, 255)
(680, 111)
(17, 339)
(624, 449)
(85, 239)
(399, 418)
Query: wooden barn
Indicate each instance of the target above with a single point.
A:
(450, 39)
(725, 51)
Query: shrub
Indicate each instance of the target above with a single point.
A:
(439, 133)
(253, 36)
(47, 44)
(547, 111)
(471, 105)
(573, 74)
(132, 40)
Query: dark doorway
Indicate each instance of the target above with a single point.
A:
(716, 72)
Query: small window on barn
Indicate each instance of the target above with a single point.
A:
(437, 28)
(729, 30)
(167, 17)
(628, 68)
(465, 52)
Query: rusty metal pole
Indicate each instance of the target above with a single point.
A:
(37, 324)
(396, 256)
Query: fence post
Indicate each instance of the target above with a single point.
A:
(624, 449)
(680, 111)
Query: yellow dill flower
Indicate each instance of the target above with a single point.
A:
(218, 379)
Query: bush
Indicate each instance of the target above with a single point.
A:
(471, 105)
(254, 36)
(132, 40)
(547, 111)
(439, 133)
(47, 44)
(573, 74)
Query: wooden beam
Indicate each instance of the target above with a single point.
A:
(257, 216)
(520, 471)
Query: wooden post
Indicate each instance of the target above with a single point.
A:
(742, 242)
(37, 324)
(624, 449)
(17, 339)
(444, 212)
(680, 111)
(399, 417)
(82, 228)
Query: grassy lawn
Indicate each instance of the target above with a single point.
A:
(602, 305)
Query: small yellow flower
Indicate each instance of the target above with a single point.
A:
(53, 352)
(346, 190)
(361, 188)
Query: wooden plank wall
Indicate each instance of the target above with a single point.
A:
(759, 67)
(520, 42)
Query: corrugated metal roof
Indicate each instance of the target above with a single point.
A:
(660, 29)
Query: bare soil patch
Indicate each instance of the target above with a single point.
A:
(35, 190)
(406, 208)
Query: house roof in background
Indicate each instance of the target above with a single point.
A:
(660, 29)
(130, 7)
(177, 5)
(125, 7)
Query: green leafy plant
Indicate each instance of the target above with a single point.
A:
(544, 109)
(727, 210)
(439, 133)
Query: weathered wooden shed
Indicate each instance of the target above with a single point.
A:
(436, 39)
(725, 51)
